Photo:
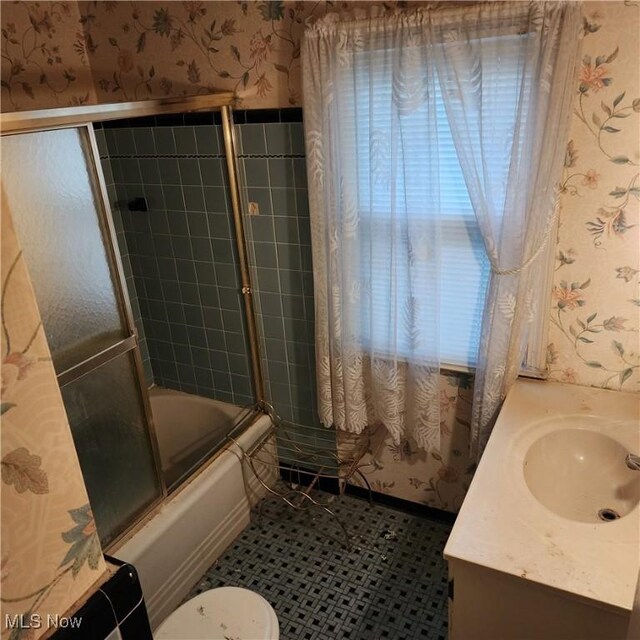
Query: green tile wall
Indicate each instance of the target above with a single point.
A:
(183, 263)
(274, 178)
(182, 257)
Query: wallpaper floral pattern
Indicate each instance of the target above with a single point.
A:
(180, 48)
(594, 322)
(44, 61)
(50, 550)
(439, 478)
(71, 52)
(58, 53)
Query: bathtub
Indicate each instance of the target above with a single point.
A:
(195, 524)
(188, 428)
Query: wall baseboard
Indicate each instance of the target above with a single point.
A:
(303, 476)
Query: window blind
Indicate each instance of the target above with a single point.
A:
(394, 204)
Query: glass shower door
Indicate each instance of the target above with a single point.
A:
(52, 190)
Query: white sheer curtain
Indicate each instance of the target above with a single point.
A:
(373, 85)
(514, 198)
(369, 91)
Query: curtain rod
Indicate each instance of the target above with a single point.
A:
(413, 16)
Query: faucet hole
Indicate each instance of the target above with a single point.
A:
(608, 515)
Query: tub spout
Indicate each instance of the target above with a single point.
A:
(632, 461)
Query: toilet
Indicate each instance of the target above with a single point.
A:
(220, 614)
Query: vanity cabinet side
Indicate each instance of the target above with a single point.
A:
(485, 605)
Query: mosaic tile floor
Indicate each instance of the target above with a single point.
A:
(392, 584)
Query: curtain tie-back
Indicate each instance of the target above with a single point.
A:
(541, 246)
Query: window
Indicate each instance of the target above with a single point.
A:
(392, 213)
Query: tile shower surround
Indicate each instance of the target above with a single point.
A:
(181, 262)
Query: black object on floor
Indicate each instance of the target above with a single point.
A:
(392, 584)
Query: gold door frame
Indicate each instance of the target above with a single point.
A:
(82, 117)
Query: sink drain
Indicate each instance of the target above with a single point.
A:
(608, 515)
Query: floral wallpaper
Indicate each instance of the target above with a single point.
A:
(439, 478)
(44, 61)
(180, 48)
(71, 52)
(60, 53)
(50, 549)
(594, 321)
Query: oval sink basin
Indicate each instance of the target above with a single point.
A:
(581, 475)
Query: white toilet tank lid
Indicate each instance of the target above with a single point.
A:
(219, 614)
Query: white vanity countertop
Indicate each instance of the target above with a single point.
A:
(503, 527)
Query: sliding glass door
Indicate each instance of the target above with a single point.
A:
(54, 192)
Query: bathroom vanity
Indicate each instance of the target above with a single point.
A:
(547, 543)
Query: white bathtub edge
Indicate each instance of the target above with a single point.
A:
(193, 528)
(170, 594)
